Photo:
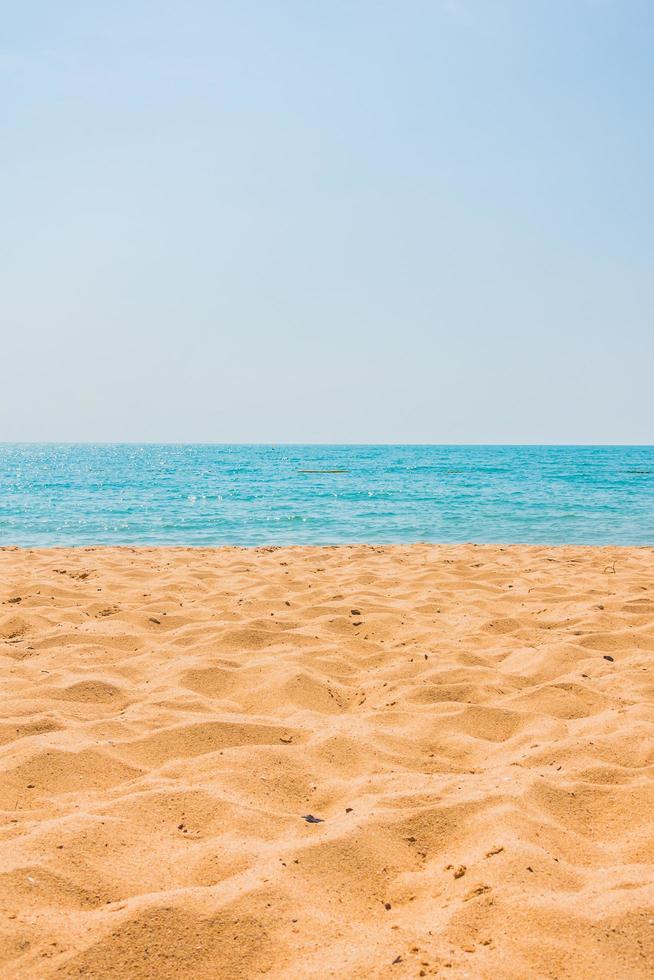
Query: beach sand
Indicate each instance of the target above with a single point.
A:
(473, 725)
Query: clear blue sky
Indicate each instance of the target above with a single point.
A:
(315, 220)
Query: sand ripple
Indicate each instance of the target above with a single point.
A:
(473, 725)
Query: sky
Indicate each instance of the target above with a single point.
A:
(310, 221)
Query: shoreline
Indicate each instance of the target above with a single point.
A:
(442, 545)
(471, 725)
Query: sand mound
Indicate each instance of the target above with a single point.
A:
(470, 727)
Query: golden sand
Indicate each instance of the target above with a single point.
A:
(473, 725)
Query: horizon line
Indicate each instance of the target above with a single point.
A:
(275, 444)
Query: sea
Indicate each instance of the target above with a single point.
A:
(206, 495)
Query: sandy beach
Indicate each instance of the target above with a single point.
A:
(472, 727)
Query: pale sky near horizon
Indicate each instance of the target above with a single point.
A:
(327, 221)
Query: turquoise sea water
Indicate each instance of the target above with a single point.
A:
(256, 495)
